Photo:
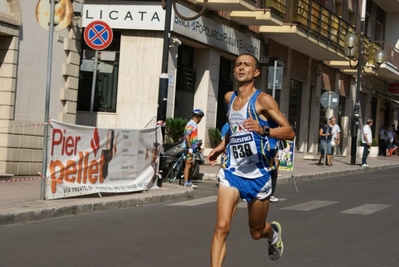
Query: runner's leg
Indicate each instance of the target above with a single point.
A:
(257, 213)
(227, 202)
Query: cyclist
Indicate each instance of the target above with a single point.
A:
(190, 144)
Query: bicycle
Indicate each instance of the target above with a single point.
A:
(177, 169)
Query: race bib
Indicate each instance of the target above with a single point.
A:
(243, 151)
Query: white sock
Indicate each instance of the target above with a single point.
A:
(274, 239)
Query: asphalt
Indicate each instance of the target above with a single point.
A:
(20, 196)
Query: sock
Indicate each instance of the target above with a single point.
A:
(274, 239)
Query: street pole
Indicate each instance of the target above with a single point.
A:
(93, 88)
(164, 77)
(274, 78)
(356, 118)
(47, 101)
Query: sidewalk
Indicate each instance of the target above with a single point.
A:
(20, 197)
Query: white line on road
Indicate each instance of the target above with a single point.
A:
(195, 202)
(311, 205)
(366, 209)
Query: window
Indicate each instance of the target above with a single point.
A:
(352, 18)
(295, 108)
(277, 94)
(106, 84)
(338, 8)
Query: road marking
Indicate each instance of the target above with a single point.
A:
(366, 209)
(206, 200)
(195, 202)
(243, 204)
(311, 205)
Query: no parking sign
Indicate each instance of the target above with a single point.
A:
(98, 35)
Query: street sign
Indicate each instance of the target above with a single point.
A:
(329, 99)
(63, 12)
(278, 80)
(98, 35)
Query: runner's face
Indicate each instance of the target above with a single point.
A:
(245, 69)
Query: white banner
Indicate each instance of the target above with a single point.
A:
(85, 160)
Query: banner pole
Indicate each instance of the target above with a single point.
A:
(293, 162)
(47, 101)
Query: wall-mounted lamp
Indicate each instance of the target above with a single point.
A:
(77, 9)
(176, 40)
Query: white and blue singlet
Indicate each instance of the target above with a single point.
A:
(249, 156)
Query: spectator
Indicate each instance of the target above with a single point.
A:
(336, 138)
(382, 141)
(325, 133)
(392, 147)
(367, 139)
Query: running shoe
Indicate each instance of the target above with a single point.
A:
(273, 199)
(191, 185)
(365, 165)
(276, 250)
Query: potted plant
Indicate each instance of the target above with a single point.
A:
(215, 136)
(174, 129)
(373, 149)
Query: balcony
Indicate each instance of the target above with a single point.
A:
(389, 70)
(311, 29)
(229, 5)
(268, 12)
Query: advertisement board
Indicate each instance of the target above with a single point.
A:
(287, 156)
(85, 160)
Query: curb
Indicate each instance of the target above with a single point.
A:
(319, 175)
(55, 209)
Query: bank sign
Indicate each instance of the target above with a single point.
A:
(147, 16)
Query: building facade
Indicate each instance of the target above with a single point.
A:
(304, 37)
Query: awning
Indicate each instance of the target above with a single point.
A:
(387, 97)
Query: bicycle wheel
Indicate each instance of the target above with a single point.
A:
(174, 172)
(180, 175)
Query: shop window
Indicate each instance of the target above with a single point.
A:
(106, 84)
(225, 85)
(185, 82)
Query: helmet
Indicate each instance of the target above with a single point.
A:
(198, 113)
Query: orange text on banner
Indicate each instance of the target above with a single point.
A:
(76, 172)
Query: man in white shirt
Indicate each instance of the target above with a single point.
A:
(367, 139)
(336, 138)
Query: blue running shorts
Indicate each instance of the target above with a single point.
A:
(249, 189)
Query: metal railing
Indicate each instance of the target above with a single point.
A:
(276, 6)
(321, 23)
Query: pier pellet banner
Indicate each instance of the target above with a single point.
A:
(85, 160)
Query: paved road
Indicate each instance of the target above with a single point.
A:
(19, 198)
(346, 221)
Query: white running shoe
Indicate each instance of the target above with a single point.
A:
(365, 165)
(191, 185)
(273, 199)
